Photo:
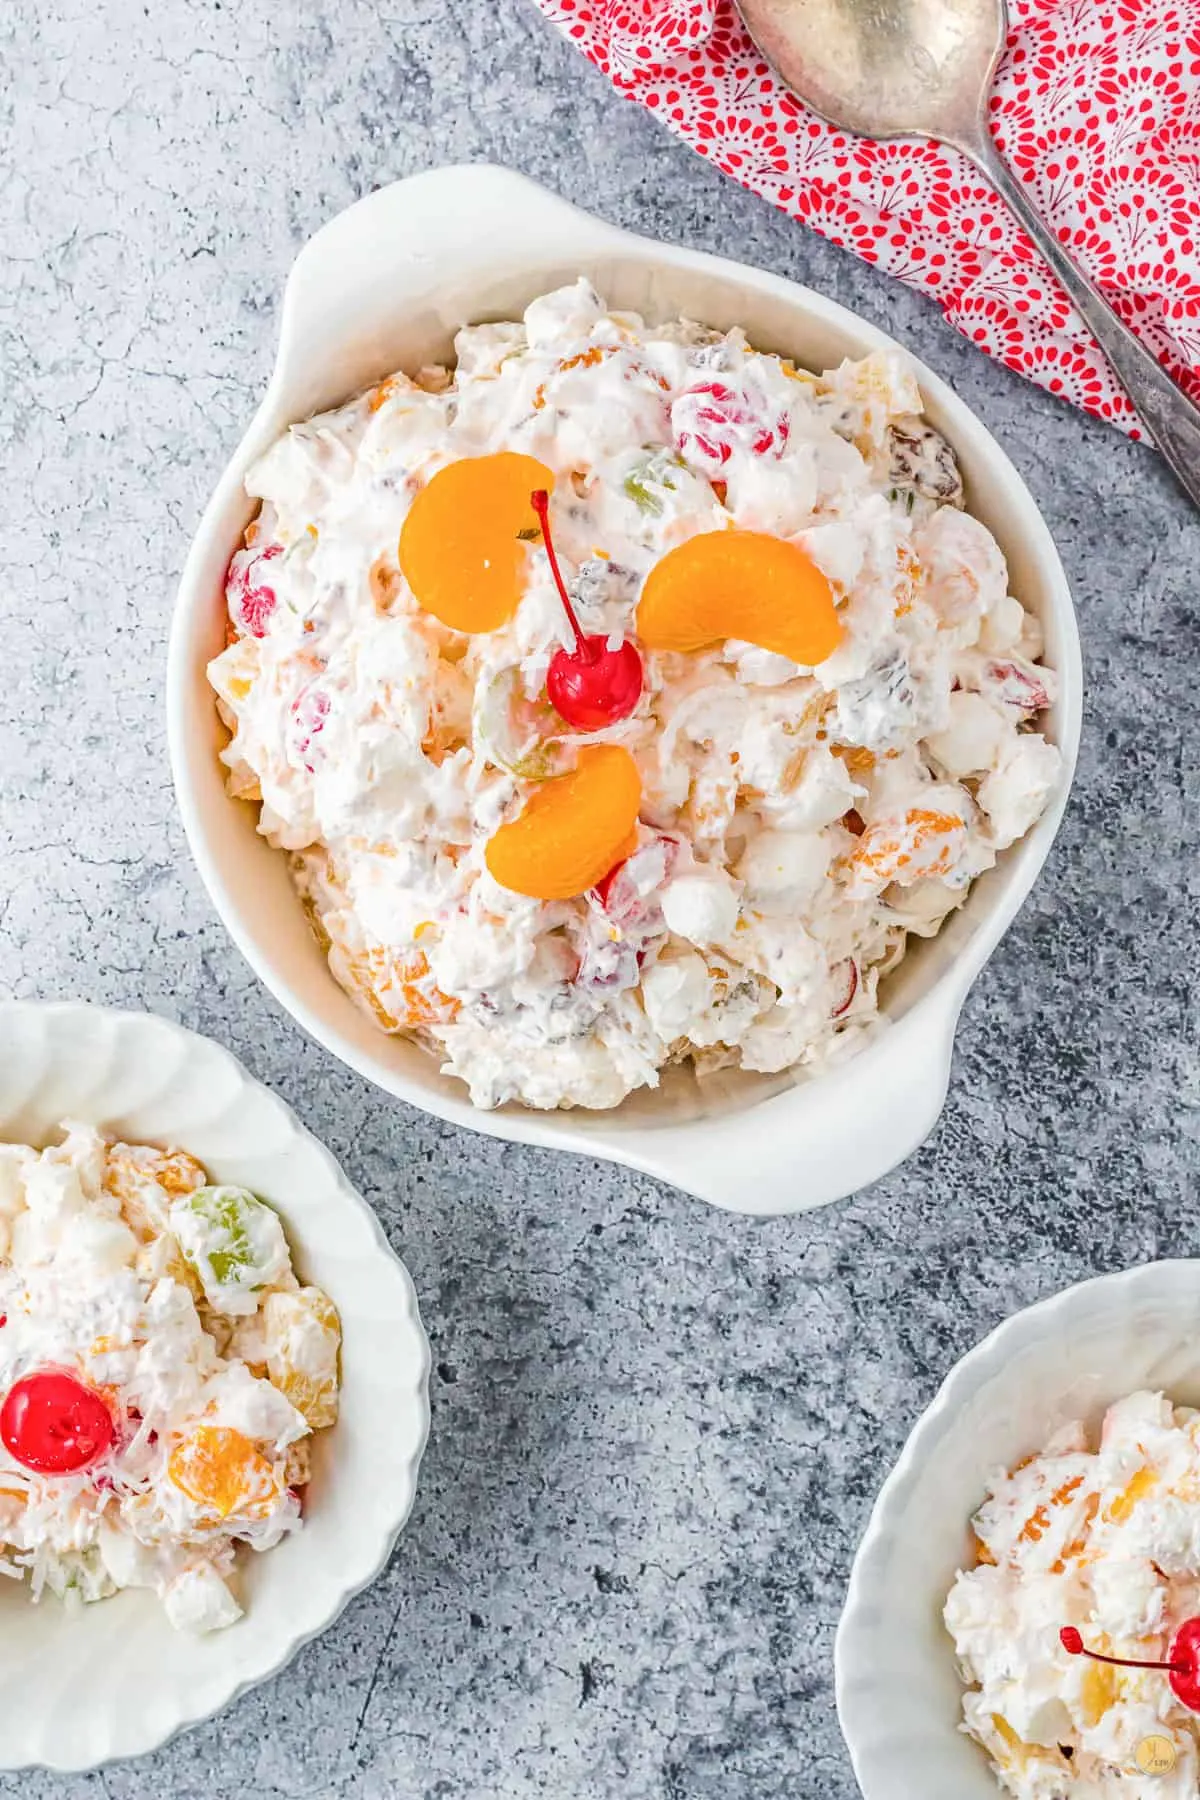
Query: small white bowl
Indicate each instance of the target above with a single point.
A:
(114, 1679)
(899, 1698)
(385, 285)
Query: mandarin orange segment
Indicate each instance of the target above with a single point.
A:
(572, 830)
(220, 1470)
(1076, 1550)
(1035, 1527)
(461, 546)
(739, 584)
(129, 1167)
(924, 843)
(398, 988)
(142, 1180)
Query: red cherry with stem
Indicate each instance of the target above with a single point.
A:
(590, 686)
(1185, 1651)
(1182, 1666)
(51, 1423)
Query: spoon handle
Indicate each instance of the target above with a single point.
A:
(1168, 415)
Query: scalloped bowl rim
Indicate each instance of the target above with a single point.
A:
(407, 1391)
(1087, 1305)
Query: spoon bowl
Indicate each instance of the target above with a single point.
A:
(893, 68)
(924, 68)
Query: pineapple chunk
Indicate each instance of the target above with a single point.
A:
(1097, 1692)
(1134, 1490)
(303, 1335)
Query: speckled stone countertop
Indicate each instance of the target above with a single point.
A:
(657, 1430)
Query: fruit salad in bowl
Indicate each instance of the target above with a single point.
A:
(1077, 1627)
(212, 1384)
(1023, 1613)
(626, 696)
(646, 694)
(161, 1372)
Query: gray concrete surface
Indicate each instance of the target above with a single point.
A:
(656, 1430)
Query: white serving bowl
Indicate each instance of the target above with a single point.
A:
(385, 285)
(113, 1680)
(899, 1698)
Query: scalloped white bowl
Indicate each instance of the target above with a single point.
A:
(385, 285)
(114, 1680)
(1069, 1357)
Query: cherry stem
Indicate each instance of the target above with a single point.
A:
(540, 501)
(1072, 1643)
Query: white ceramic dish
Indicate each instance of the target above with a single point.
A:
(385, 285)
(114, 1679)
(898, 1695)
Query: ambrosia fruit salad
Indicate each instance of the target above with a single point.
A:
(161, 1373)
(626, 696)
(1078, 1628)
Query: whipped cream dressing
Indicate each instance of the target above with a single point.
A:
(176, 1302)
(1107, 1540)
(797, 824)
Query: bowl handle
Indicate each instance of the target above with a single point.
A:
(413, 251)
(812, 1145)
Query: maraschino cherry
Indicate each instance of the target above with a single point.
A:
(51, 1423)
(1182, 1665)
(590, 686)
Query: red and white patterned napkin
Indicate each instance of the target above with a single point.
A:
(1097, 108)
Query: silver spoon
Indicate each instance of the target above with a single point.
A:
(924, 68)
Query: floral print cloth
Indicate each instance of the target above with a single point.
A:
(1096, 107)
